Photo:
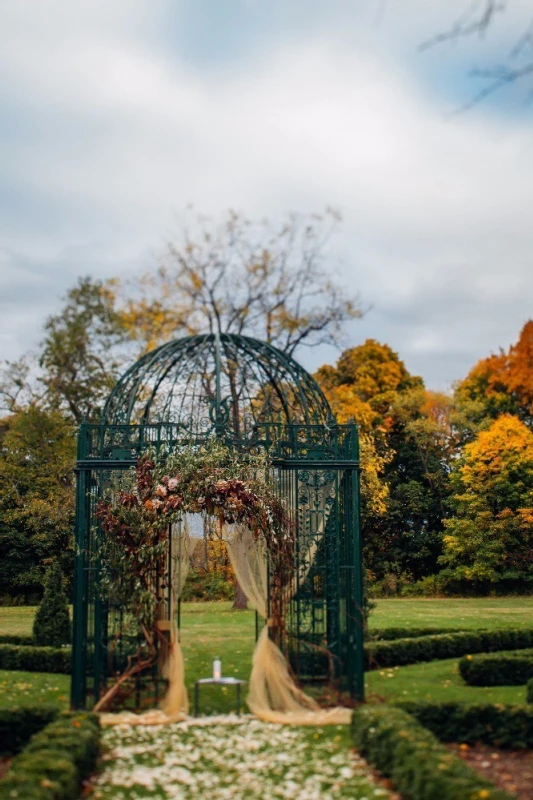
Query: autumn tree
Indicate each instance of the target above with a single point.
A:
(80, 359)
(406, 436)
(362, 386)
(246, 278)
(365, 383)
(489, 540)
(37, 453)
(501, 383)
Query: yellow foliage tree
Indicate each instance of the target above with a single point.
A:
(490, 538)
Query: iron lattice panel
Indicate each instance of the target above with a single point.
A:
(317, 471)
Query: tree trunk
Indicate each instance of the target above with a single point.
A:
(240, 602)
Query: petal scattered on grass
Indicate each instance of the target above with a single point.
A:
(233, 757)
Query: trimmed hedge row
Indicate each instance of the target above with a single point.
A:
(13, 638)
(17, 725)
(529, 691)
(396, 652)
(508, 727)
(56, 760)
(412, 757)
(35, 659)
(389, 634)
(513, 668)
(446, 645)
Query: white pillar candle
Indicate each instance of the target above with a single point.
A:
(217, 669)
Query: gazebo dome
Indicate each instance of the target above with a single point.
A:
(217, 381)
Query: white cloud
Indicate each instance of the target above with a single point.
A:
(123, 132)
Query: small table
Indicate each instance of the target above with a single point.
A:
(237, 682)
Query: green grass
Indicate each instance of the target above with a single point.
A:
(467, 613)
(30, 688)
(210, 630)
(17, 620)
(435, 681)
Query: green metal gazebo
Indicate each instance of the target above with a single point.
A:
(252, 396)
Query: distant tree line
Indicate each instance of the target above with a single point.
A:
(448, 495)
(447, 478)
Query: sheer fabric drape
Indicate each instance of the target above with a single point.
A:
(273, 694)
(175, 704)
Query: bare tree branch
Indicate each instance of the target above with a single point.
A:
(242, 277)
(475, 21)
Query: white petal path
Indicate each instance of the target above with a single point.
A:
(232, 757)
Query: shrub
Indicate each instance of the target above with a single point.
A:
(35, 659)
(55, 761)
(17, 725)
(498, 669)
(207, 586)
(389, 634)
(51, 626)
(445, 645)
(508, 727)
(412, 757)
(13, 638)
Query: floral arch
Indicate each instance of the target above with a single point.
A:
(258, 419)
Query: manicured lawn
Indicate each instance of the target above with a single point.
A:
(31, 688)
(210, 630)
(251, 759)
(484, 612)
(17, 620)
(438, 681)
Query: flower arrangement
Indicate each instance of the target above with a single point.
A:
(208, 479)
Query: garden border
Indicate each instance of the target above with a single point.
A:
(56, 760)
(412, 757)
(509, 727)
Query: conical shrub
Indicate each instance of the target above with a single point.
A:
(51, 626)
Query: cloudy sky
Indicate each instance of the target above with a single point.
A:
(117, 114)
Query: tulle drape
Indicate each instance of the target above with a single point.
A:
(175, 705)
(273, 694)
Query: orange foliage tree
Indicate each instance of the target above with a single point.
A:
(501, 384)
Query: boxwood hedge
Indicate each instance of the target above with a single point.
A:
(505, 726)
(17, 725)
(512, 668)
(35, 659)
(412, 757)
(389, 634)
(446, 645)
(13, 638)
(55, 762)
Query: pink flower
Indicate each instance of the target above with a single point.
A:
(173, 484)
